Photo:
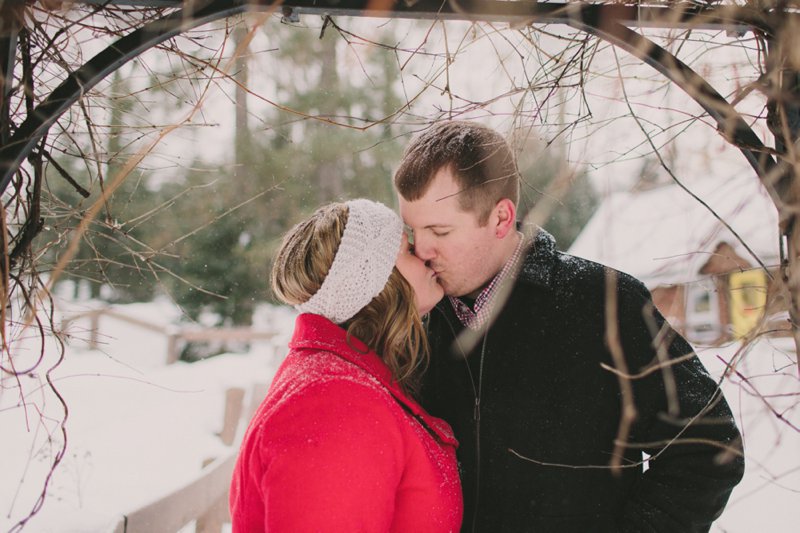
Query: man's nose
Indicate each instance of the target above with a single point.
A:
(423, 248)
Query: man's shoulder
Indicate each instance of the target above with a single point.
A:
(547, 266)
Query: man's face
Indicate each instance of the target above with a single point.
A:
(449, 240)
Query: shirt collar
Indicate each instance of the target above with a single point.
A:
(481, 311)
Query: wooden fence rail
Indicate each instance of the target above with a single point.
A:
(175, 335)
(203, 499)
(190, 502)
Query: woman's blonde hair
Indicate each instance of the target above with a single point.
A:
(389, 325)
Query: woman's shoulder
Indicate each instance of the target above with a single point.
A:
(319, 384)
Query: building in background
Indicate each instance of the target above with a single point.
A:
(703, 278)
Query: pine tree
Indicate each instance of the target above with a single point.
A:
(112, 252)
(540, 166)
(319, 153)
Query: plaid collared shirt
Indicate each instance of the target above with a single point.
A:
(477, 317)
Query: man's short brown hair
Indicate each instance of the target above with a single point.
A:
(479, 157)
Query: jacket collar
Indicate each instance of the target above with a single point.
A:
(315, 332)
(537, 266)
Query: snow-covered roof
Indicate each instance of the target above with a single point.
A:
(664, 236)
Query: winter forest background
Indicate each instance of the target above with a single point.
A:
(164, 193)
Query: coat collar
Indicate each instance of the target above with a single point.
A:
(541, 257)
(315, 332)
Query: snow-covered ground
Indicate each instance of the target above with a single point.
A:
(138, 428)
(765, 385)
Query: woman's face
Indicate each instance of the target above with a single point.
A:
(427, 291)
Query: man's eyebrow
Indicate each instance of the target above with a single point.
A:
(431, 226)
(437, 225)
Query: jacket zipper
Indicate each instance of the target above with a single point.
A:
(476, 415)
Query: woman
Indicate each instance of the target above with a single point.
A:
(339, 444)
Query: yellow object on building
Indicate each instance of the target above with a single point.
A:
(748, 299)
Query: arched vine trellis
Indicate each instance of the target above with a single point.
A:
(607, 21)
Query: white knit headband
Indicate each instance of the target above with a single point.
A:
(365, 258)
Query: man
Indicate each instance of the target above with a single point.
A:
(536, 387)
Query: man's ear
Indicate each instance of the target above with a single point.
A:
(505, 217)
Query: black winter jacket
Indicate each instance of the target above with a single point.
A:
(535, 456)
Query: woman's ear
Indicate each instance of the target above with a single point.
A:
(505, 216)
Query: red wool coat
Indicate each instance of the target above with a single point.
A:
(337, 447)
